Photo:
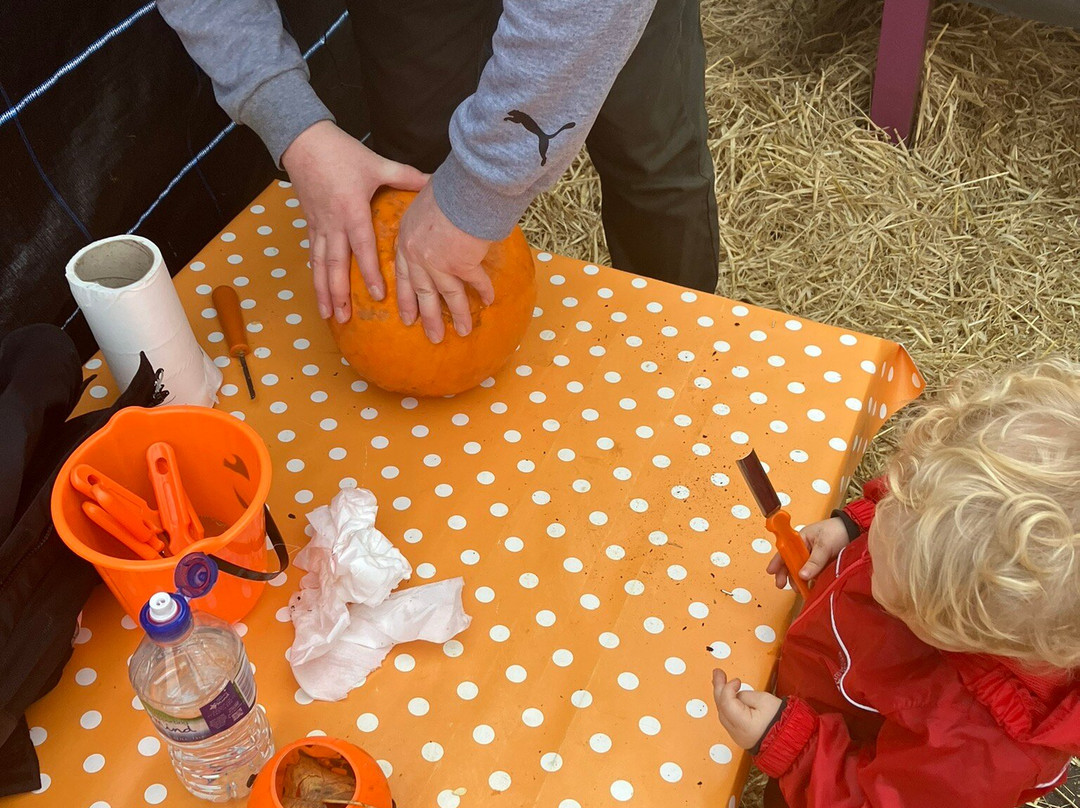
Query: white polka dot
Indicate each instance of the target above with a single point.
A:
(671, 772)
(797, 388)
(155, 794)
(386, 767)
(720, 753)
(97, 391)
(516, 674)
(562, 657)
(551, 762)
(581, 699)
(675, 666)
(740, 595)
(600, 743)
(301, 697)
(634, 587)
(304, 496)
(761, 546)
(572, 564)
(627, 681)
(615, 552)
(448, 799)
(740, 438)
(653, 625)
(765, 634)
(815, 415)
(90, 719)
(799, 456)
(85, 676)
(676, 572)
(622, 791)
(404, 662)
(649, 725)
(696, 708)
(720, 559)
(467, 691)
(419, 706)
(403, 504)
(609, 639)
(431, 751)
(778, 426)
(698, 610)
(720, 650)
(868, 366)
(425, 570)
(699, 524)
(545, 618)
(499, 781)
(485, 594)
(453, 648)
(457, 522)
(532, 717)
(514, 544)
(589, 601)
(149, 746)
(483, 734)
(283, 615)
(821, 486)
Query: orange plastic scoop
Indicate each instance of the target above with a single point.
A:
(178, 517)
(119, 512)
(789, 543)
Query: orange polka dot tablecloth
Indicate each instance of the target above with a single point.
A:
(587, 494)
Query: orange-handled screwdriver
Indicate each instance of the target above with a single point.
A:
(232, 325)
(789, 543)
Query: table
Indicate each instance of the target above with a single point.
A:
(587, 495)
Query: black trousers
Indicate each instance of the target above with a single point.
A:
(421, 58)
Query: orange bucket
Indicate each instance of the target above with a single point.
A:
(226, 472)
(371, 790)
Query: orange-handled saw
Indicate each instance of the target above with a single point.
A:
(789, 543)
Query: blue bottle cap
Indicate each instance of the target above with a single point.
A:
(195, 575)
(165, 617)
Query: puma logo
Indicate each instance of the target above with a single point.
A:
(517, 116)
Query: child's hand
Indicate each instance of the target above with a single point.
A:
(745, 715)
(825, 539)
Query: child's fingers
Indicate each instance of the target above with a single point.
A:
(775, 564)
(820, 555)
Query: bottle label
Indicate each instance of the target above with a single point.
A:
(227, 708)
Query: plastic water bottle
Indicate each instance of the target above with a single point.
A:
(192, 675)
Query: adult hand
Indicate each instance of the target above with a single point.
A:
(335, 177)
(434, 262)
(747, 714)
(825, 539)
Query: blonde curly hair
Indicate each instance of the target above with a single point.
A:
(981, 530)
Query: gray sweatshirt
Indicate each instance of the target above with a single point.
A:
(553, 64)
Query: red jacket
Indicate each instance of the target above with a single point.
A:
(875, 717)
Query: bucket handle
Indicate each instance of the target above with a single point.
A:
(278, 544)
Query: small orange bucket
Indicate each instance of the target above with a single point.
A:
(226, 472)
(371, 790)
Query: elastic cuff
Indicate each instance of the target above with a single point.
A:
(478, 209)
(861, 512)
(787, 738)
(280, 109)
(756, 748)
(853, 530)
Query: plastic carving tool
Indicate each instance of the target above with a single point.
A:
(178, 517)
(232, 325)
(115, 509)
(789, 543)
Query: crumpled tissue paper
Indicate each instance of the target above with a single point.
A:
(345, 618)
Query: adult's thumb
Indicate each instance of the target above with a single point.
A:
(404, 177)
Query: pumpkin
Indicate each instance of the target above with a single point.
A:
(400, 358)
